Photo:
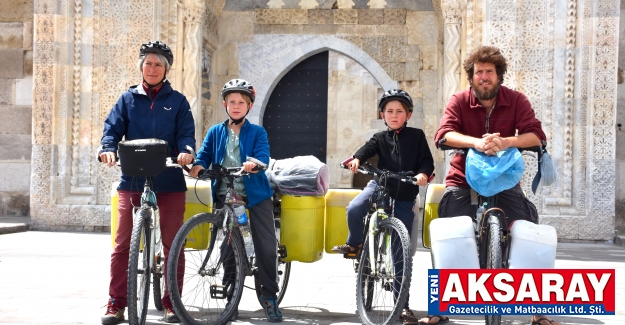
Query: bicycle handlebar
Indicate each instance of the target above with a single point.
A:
(444, 147)
(219, 171)
(407, 177)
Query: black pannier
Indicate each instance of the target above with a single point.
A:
(143, 157)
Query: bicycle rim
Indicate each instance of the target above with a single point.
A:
(383, 283)
(138, 270)
(208, 295)
(284, 272)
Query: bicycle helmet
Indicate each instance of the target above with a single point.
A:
(396, 94)
(238, 86)
(158, 48)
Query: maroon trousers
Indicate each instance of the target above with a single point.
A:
(171, 210)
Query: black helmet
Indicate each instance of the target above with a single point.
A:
(238, 86)
(158, 48)
(396, 94)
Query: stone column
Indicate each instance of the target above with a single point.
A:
(453, 11)
(193, 18)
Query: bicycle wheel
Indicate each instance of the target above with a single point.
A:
(213, 276)
(284, 272)
(158, 283)
(138, 269)
(383, 283)
(493, 255)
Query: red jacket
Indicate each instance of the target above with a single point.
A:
(464, 114)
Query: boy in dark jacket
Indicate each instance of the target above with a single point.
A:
(400, 149)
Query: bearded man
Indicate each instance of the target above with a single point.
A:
(488, 117)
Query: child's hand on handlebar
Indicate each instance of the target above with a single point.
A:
(249, 166)
(195, 170)
(353, 165)
(422, 179)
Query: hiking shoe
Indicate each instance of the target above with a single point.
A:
(408, 318)
(114, 314)
(345, 249)
(170, 316)
(271, 309)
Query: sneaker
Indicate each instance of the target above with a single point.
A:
(408, 318)
(170, 316)
(114, 314)
(346, 249)
(271, 309)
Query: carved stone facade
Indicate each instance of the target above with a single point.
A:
(85, 56)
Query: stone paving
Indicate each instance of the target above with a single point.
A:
(62, 278)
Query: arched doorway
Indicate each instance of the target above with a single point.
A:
(297, 111)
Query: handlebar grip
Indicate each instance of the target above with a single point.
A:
(346, 161)
(259, 164)
(536, 149)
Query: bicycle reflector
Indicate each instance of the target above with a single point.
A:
(143, 157)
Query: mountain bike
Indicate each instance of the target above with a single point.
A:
(384, 264)
(146, 157)
(214, 279)
(491, 228)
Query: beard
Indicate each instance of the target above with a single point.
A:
(485, 94)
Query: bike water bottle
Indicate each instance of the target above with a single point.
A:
(480, 213)
(244, 225)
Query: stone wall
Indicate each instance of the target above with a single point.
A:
(620, 131)
(16, 82)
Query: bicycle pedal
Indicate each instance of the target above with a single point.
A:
(282, 251)
(218, 291)
(350, 256)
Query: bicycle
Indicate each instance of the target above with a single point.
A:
(146, 249)
(491, 228)
(384, 263)
(211, 294)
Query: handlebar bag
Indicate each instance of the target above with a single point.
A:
(143, 157)
(489, 175)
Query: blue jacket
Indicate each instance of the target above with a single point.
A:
(168, 117)
(252, 143)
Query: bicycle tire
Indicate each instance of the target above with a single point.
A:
(284, 272)
(380, 295)
(138, 269)
(493, 256)
(206, 297)
(158, 284)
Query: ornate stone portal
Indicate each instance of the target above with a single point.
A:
(86, 52)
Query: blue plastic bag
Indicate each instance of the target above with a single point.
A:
(489, 175)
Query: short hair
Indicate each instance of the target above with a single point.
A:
(404, 105)
(486, 54)
(247, 98)
(161, 58)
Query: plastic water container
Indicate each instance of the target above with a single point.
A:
(301, 227)
(532, 246)
(198, 200)
(453, 243)
(336, 217)
(433, 195)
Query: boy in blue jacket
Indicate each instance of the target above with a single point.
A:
(229, 144)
